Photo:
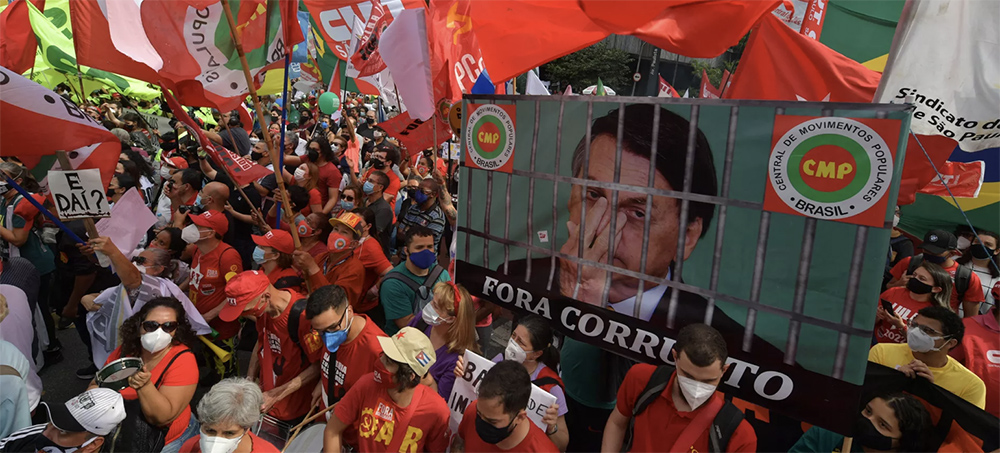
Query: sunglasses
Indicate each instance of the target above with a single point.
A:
(345, 197)
(139, 260)
(151, 326)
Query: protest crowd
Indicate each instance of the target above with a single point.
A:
(280, 276)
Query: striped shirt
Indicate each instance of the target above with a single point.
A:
(432, 218)
(23, 440)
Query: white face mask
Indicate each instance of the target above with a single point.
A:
(156, 340)
(964, 243)
(431, 316)
(210, 444)
(514, 352)
(895, 221)
(920, 341)
(300, 174)
(141, 268)
(695, 392)
(165, 171)
(190, 234)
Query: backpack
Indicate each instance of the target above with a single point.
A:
(294, 317)
(962, 276)
(722, 429)
(423, 293)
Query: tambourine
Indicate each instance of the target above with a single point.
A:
(115, 374)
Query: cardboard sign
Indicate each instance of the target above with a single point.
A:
(79, 194)
(466, 390)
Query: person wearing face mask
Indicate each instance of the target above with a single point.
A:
(530, 344)
(449, 321)
(977, 351)
(930, 286)
(384, 159)
(146, 277)
(286, 358)
(340, 266)
(226, 413)
(351, 198)
(120, 183)
(351, 346)
(424, 211)
(158, 397)
(889, 422)
(307, 177)
(939, 245)
(213, 260)
(900, 247)
(373, 187)
(273, 254)
(389, 408)
(408, 287)
(313, 232)
(930, 336)
(80, 425)
(497, 421)
(983, 257)
(328, 184)
(689, 409)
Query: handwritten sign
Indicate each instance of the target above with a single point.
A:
(466, 390)
(79, 194)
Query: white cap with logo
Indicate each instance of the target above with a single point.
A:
(97, 411)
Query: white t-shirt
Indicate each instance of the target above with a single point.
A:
(17, 329)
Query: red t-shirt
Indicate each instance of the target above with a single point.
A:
(904, 306)
(659, 426)
(314, 198)
(348, 274)
(374, 415)
(281, 360)
(183, 372)
(536, 440)
(258, 445)
(208, 284)
(375, 263)
(354, 360)
(317, 251)
(980, 353)
(329, 176)
(279, 273)
(973, 294)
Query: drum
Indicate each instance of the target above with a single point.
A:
(273, 430)
(115, 374)
(309, 439)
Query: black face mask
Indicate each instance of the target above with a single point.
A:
(491, 434)
(866, 434)
(934, 258)
(110, 193)
(256, 156)
(918, 287)
(981, 252)
(378, 164)
(313, 156)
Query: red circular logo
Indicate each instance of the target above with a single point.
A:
(828, 168)
(488, 137)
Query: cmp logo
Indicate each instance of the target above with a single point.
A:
(490, 138)
(830, 168)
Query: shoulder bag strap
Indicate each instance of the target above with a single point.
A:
(699, 425)
(171, 362)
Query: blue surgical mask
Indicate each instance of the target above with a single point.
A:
(258, 255)
(423, 259)
(333, 340)
(420, 197)
(346, 205)
(368, 188)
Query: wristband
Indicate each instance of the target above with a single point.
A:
(554, 431)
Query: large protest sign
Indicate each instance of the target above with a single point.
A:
(79, 194)
(466, 390)
(684, 235)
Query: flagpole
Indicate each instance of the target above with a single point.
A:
(260, 118)
(897, 41)
(284, 124)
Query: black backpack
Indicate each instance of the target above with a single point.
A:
(422, 292)
(725, 423)
(962, 276)
(294, 317)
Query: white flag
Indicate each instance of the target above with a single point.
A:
(687, 92)
(404, 49)
(535, 86)
(948, 61)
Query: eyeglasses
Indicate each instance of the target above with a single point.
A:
(151, 326)
(926, 329)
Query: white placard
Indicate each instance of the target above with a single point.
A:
(79, 194)
(130, 218)
(466, 390)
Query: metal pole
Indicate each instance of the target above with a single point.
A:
(637, 62)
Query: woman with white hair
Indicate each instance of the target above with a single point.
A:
(227, 412)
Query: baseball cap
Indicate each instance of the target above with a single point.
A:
(98, 411)
(939, 241)
(349, 219)
(240, 291)
(279, 239)
(212, 219)
(410, 346)
(177, 162)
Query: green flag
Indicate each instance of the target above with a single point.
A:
(600, 88)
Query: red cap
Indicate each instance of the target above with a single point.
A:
(278, 239)
(177, 162)
(350, 220)
(240, 291)
(212, 219)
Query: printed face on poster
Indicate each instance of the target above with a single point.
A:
(593, 234)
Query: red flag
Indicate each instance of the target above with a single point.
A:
(964, 179)
(29, 113)
(18, 42)
(414, 134)
(454, 46)
(367, 58)
(335, 18)
(812, 23)
(517, 35)
(666, 91)
(708, 91)
(780, 64)
(244, 170)
(93, 44)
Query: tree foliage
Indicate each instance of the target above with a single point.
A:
(581, 69)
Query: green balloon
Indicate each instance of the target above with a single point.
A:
(328, 103)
